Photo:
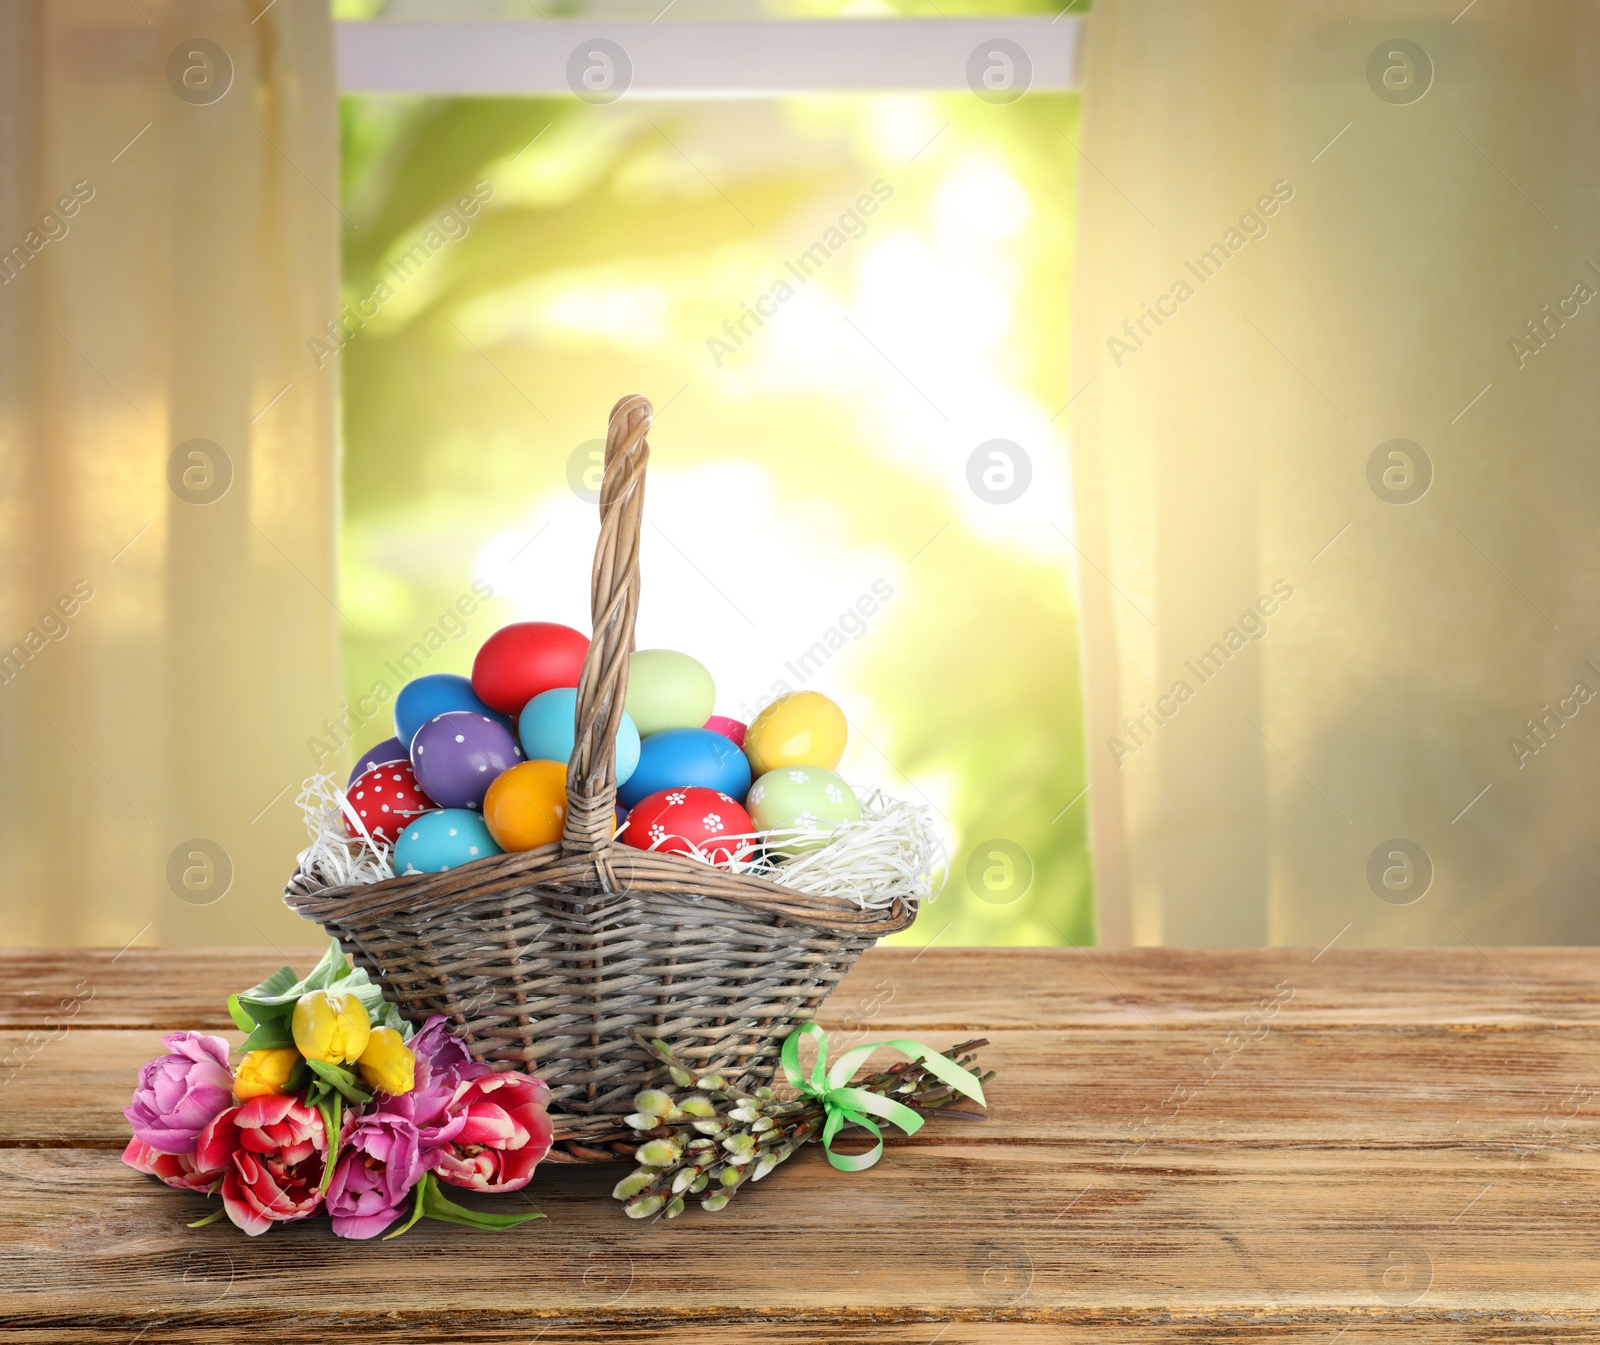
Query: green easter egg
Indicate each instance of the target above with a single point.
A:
(801, 796)
(668, 690)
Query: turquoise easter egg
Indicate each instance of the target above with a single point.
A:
(668, 690)
(548, 728)
(440, 841)
(801, 797)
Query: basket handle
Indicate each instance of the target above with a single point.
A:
(614, 607)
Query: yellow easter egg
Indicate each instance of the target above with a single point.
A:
(804, 728)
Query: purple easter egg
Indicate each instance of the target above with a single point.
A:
(457, 756)
(381, 755)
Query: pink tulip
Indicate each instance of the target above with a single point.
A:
(507, 1132)
(179, 1094)
(271, 1151)
(177, 1170)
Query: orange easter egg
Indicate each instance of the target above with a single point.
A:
(526, 806)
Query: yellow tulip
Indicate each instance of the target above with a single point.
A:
(388, 1064)
(331, 1028)
(264, 1073)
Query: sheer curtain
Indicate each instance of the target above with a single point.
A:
(1336, 339)
(168, 628)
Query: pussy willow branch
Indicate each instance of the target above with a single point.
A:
(713, 1139)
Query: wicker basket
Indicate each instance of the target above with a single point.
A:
(548, 960)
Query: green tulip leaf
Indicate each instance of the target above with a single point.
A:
(241, 1020)
(341, 1078)
(268, 990)
(272, 1035)
(274, 999)
(436, 1206)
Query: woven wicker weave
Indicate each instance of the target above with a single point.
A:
(549, 959)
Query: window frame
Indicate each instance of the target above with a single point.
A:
(746, 59)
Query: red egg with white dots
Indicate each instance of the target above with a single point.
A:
(691, 820)
(385, 798)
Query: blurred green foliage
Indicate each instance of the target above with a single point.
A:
(616, 245)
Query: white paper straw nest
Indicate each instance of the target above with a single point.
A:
(333, 859)
(893, 852)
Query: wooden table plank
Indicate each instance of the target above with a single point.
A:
(1117, 1087)
(952, 1233)
(904, 989)
(834, 1330)
(1159, 1166)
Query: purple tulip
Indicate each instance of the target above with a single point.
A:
(380, 1164)
(398, 1138)
(441, 1053)
(180, 1094)
(443, 1065)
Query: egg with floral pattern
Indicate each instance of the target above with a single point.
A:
(691, 820)
(385, 797)
(805, 798)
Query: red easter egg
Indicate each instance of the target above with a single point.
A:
(681, 821)
(518, 662)
(731, 729)
(385, 798)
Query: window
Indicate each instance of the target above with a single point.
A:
(850, 310)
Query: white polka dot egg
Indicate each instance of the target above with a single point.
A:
(440, 841)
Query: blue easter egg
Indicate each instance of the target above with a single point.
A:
(548, 729)
(440, 841)
(423, 698)
(677, 757)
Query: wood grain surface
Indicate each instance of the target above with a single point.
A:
(1197, 1146)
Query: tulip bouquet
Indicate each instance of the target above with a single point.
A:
(336, 1105)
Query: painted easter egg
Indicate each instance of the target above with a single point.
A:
(677, 757)
(517, 662)
(386, 797)
(440, 841)
(527, 806)
(423, 698)
(731, 729)
(705, 823)
(668, 690)
(802, 797)
(457, 756)
(390, 749)
(804, 728)
(548, 726)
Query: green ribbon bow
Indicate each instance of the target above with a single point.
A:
(850, 1106)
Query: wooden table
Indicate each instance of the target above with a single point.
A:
(1399, 1146)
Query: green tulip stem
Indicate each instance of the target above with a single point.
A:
(332, 1109)
(420, 1198)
